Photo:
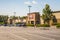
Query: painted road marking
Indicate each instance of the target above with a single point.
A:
(51, 34)
(39, 36)
(18, 36)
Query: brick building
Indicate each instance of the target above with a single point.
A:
(33, 18)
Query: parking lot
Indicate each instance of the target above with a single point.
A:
(28, 33)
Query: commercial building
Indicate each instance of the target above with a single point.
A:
(57, 15)
(33, 18)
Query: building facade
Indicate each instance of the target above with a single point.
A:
(33, 18)
(57, 15)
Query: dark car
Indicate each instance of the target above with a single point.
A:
(21, 24)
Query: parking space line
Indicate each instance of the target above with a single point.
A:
(39, 36)
(51, 34)
(18, 36)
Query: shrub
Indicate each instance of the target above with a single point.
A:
(58, 25)
(30, 25)
(54, 23)
(46, 25)
(18, 23)
(43, 25)
(38, 25)
(1, 22)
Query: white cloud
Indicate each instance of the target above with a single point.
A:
(28, 3)
(34, 2)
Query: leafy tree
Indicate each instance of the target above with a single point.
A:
(24, 17)
(47, 14)
(54, 20)
(3, 19)
(13, 17)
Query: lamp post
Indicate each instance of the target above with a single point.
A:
(14, 13)
(14, 17)
(29, 12)
(29, 8)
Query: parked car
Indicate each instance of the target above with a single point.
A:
(20, 24)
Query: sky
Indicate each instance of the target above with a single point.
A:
(8, 7)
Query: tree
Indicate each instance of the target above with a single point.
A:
(54, 20)
(47, 14)
(3, 19)
(13, 17)
(24, 17)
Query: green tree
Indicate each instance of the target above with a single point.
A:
(3, 19)
(13, 17)
(24, 17)
(47, 14)
(54, 20)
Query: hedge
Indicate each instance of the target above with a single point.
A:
(43, 25)
(31, 25)
(38, 25)
(1, 22)
(58, 25)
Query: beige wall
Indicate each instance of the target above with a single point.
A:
(57, 15)
(42, 21)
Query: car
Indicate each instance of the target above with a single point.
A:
(21, 24)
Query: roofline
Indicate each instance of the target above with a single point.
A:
(33, 13)
(55, 11)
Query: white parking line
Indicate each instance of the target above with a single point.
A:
(39, 36)
(18, 36)
(51, 34)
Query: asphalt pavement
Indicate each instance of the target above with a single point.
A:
(28, 33)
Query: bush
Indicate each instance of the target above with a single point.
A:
(58, 25)
(43, 25)
(18, 23)
(1, 22)
(54, 23)
(38, 25)
(30, 25)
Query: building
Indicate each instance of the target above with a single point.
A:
(57, 15)
(13, 21)
(33, 18)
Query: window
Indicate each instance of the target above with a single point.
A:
(37, 22)
(32, 22)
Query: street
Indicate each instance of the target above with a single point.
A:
(28, 33)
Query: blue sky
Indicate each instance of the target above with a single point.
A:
(8, 7)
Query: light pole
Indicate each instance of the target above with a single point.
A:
(29, 12)
(14, 13)
(14, 17)
(29, 8)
